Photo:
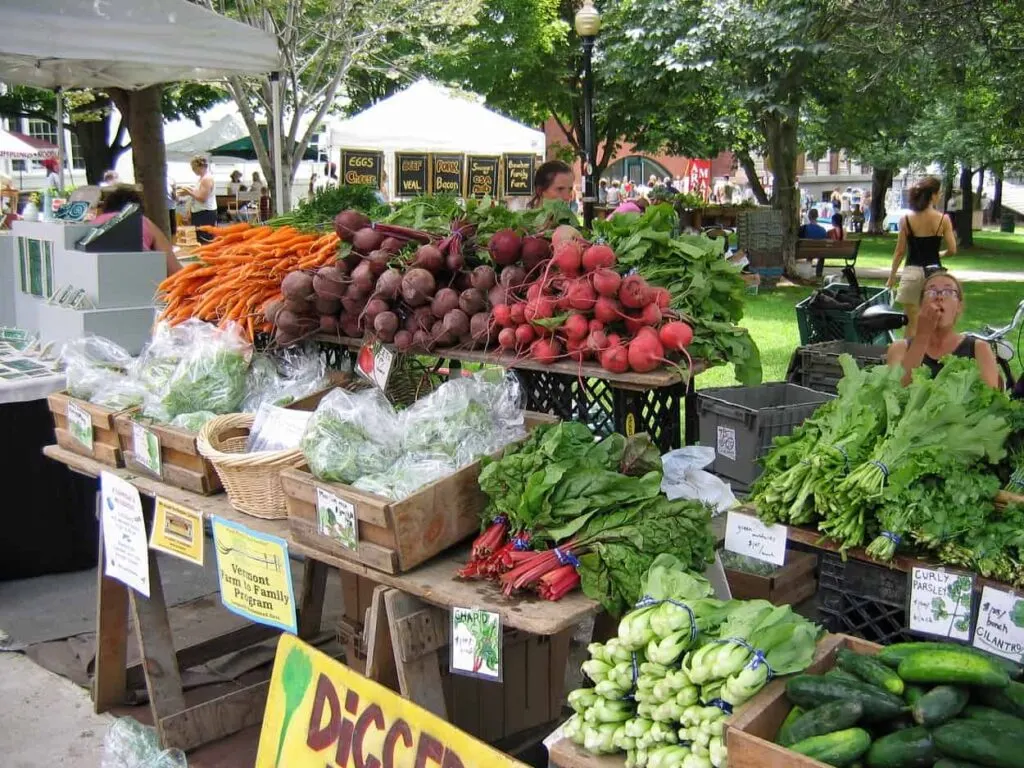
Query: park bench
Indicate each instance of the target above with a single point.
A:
(842, 252)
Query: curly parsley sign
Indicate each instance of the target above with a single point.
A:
(940, 603)
(476, 643)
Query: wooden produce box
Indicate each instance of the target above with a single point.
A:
(105, 446)
(791, 584)
(181, 463)
(750, 734)
(394, 536)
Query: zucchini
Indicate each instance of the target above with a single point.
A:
(912, 748)
(912, 693)
(841, 674)
(995, 717)
(810, 691)
(828, 718)
(953, 667)
(892, 655)
(948, 763)
(870, 670)
(980, 743)
(1009, 699)
(794, 715)
(941, 703)
(841, 748)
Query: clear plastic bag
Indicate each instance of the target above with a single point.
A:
(407, 475)
(119, 393)
(466, 418)
(130, 744)
(93, 363)
(168, 347)
(192, 422)
(685, 478)
(284, 377)
(211, 376)
(351, 435)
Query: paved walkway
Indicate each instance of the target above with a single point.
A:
(966, 275)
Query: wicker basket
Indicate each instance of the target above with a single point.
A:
(251, 480)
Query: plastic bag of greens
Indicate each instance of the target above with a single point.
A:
(407, 475)
(351, 435)
(211, 376)
(192, 422)
(93, 363)
(466, 418)
(119, 393)
(284, 377)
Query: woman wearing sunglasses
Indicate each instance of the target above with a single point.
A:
(936, 336)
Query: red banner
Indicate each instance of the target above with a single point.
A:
(700, 177)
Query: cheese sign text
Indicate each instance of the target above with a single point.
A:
(321, 714)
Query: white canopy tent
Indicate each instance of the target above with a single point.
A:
(427, 117)
(128, 44)
(15, 148)
(228, 128)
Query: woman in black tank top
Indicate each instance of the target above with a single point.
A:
(936, 336)
(921, 242)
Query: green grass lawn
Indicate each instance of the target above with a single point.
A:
(771, 319)
(992, 252)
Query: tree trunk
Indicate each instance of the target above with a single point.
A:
(997, 196)
(948, 171)
(981, 182)
(747, 163)
(141, 110)
(780, 134)
(965, 216)
(881, 182)
(99, 156)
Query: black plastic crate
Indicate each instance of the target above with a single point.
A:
(816, 366)
(606, 408)
(857, 598)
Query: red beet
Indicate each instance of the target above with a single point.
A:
(535, 250)
(367, 240)
(347, 223)
(504, 247)
(417, 287)
(428, 257)
(634, 292)
(598, 256)
(606, 282)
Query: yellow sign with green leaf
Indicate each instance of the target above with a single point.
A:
(321, 713)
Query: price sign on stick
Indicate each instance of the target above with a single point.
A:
(374, 363)
(125, 555)
(80, 424)
(746, 535)
(939, 603)
(1000, 627)
(476, 643)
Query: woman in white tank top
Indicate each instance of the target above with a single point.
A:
(204, 198)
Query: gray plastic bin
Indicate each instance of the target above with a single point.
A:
(741, 422)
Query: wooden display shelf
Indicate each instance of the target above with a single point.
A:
(792, 583)
(663, 377)
(105, 447)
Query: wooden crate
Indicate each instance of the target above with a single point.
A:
(750, 734)
(180, 461)
(105, 446)
(394, 536)
(790, 585)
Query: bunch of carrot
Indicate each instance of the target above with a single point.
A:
(239, 272)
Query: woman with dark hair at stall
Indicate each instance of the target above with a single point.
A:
(553, 180)
(922, 234)
(153, 238)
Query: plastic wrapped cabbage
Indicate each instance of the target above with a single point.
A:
(351, 435)
(92, 364)
(408, 474)
(466, 418)
(284, 377)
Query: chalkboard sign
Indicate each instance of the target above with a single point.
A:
(413, 174)
(447, 175)
(360, 166)
(483, 175)
(519, 175)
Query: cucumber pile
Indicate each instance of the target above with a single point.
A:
(912, 705)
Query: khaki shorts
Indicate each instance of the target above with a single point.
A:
(911, 285)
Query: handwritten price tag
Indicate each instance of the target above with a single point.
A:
(476, 643)
(336, 518)
(940, 603)
(746, 535)
(146, 447)
(80, 424)
(1000, 627)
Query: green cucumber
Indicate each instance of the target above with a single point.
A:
(941, 703)
(952, 667)
(870, 670)
(840, 749)
(996, 717)
(912, 693)
(979, 742)
(892, 655)
(841, 674)
(948, 763)
(912, 748)
(794, 715)
(810, 691)
(1009, 699)
(828, 718)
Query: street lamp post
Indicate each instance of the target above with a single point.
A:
(588, 24)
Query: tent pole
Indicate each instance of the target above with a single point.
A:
(60, 136)
(275, 104)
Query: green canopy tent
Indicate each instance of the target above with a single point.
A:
(244, 149)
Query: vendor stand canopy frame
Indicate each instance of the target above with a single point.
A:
(130, 44)
(427, 117)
